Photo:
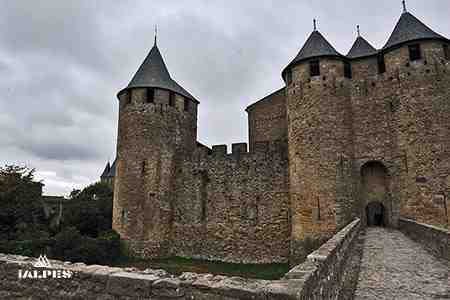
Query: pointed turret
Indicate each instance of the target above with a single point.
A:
(316, 46)
(361, 48)
(112, 170)
(153, 73)
(408, 29)
(106, 171)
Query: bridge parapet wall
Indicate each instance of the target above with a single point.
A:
(434, 239)
(331, 272)
(322, 276)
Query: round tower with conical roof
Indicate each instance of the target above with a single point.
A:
(363, 57)
(415, 87)
(320, 147)
(157, 129)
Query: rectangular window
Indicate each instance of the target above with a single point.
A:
(150, 95)
(172, 99)
(381, 64)
(128, 97)
(347, 70)
(186, 104)
(414, 52)
(288, 77)
(446, 52)
(314, 68)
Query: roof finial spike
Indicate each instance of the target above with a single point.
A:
(404, 6)
(358, 30)
(156, 33)
(315, 24)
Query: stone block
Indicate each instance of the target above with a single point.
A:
(130, 284)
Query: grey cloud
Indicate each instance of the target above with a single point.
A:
(62, 63)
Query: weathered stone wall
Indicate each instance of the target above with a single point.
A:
(327, 274)
(375, 140)
(331, 272)
(234, 207)
(152, 140)
(434, 239)
(422, 131)
(101, 282)
(336, 126)
(267, 119)
(364, 67)
(401, 120)
(320, 153)
(173, 197)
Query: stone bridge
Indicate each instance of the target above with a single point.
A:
(357, 263)
(393, 266)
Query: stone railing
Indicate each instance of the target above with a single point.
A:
(322, 276)
(331, 272)
(434, 239)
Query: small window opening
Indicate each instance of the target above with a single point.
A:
(172, 99)
(144, 166)
(314, 68)
(289, 77)
(203, 212)
(318, 209)
(127, 97)
(414, 52)
(381, 64)
(150, 95)
(446, 52)
(186, 104)
(347, 70)
(122, 216)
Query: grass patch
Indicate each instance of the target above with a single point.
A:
(178, 265)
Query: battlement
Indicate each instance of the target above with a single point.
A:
(239, 150)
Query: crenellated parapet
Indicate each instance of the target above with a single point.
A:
(234, 206)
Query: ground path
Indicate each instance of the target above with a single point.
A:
(393, 267)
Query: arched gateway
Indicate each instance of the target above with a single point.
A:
(375, 194)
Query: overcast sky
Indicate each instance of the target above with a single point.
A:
(62, 63)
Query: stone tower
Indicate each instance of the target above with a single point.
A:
(368, 133)
(157, 129)
(319, 137)
(415, 88)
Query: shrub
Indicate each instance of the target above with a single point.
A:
(70, 245)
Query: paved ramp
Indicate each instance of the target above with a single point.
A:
(393, 267)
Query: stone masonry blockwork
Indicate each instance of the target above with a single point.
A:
(346, 138)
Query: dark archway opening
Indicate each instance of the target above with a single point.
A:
(375, 214)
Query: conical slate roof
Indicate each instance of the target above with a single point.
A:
(153, 73)
(409, 28)
(106, 171)
(112, 171)
(361, 48)
(316, 46)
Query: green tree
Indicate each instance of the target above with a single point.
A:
(90, 211)
(21, 215)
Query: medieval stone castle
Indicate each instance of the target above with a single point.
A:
(363, 135)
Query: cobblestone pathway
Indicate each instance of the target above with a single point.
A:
(394, 267)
